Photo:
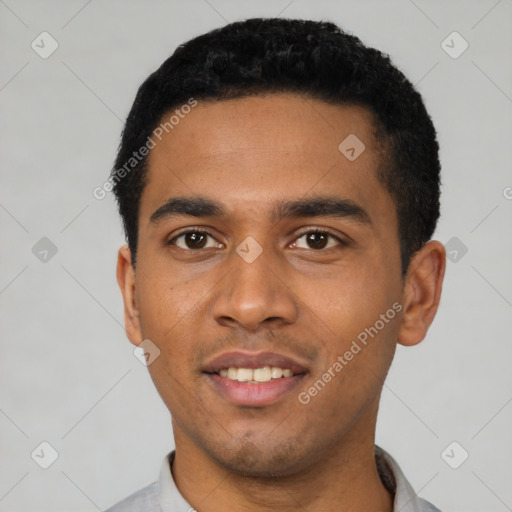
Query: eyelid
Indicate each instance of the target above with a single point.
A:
(190, 229)
(319, 229)
(301, 233)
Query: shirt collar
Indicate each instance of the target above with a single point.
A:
(168, 495)
(406, 500)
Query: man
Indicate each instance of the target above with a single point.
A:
(279, 185)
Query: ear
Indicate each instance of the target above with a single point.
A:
(126, 282)
(422, 292)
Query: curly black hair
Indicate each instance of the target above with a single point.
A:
(317, 59)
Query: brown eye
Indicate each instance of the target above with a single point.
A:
(317, 240)
(194, 240)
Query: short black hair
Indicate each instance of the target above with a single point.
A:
(313, 58)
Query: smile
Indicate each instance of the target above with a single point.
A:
(253, 379)
(253, 376)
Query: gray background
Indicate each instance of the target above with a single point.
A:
(68, 375)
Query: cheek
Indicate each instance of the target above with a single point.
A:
(361, 327)
(353, 300)
(173, 316)
(165, 303)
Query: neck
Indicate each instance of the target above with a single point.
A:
(344, 478)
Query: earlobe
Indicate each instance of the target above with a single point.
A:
(126, 281)
(422, 292)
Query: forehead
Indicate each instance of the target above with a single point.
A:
(252, 151)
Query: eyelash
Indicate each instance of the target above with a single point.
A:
(324, 231)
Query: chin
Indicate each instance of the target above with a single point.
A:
(259, 459)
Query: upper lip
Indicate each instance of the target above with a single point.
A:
(253, 360)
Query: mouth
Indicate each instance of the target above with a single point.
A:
(258, 375)
(253, 380)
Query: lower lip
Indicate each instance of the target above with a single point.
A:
(253, 395)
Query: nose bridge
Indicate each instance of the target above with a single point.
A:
(253, 294)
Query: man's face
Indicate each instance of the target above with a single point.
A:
(326, 272)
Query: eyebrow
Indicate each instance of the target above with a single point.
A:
(192, 206)
(322, 207)
(313, 207)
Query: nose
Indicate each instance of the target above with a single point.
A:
(255, 295)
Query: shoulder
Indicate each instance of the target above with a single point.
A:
(145, 500)
(405, 498)
(426, 506)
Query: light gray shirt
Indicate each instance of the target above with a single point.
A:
(163, 495)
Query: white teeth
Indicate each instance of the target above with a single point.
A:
(277, 373)
(244, 375)
(264, 374)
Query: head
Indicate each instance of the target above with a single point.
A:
(313, 59)
(284, 203)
